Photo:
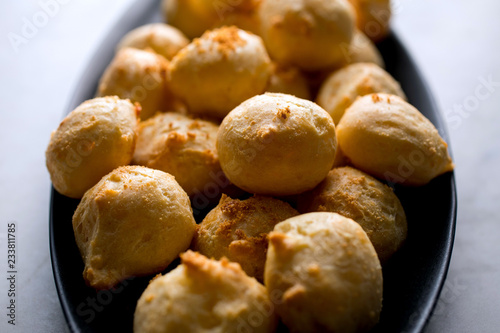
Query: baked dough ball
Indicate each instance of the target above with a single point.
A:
(362, 49)
(358, 196)
(327, 273)
(139, 76)
(95, 138)
(134, 222)
(189, 16)
(160, 38)
(373, 17)
(241, 13)
(220, 70)
(342, 88)
(315, 80)
(306, 33)
(276, 144)
(194, 17)
(181, 146)
(205, 296)
(288, 80)
(238, 230)
(390, 139)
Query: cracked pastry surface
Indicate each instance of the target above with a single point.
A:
(238, 230)
(207, 296)
(342, 87)
(358, 196)
(134, 222)
(328, 274)
(306, 33)
(181, 146)
(390, 139)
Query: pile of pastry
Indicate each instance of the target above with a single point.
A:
(216, 111)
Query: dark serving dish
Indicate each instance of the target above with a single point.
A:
(412, 279)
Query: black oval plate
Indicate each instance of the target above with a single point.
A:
(412, 279)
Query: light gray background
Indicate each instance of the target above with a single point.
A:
(454, 42)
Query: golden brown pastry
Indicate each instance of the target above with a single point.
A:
(181, 146)
(95, 138)
(327, 273)
(359, 196)
(276, 144)
(362, 49)
(189, 16)
(141, 77)
(306, 33)
(288, 80)
(194, 17)
(342, 87)
(160, 38)
(373, 17)
(134, 222)
(220, 70)
(204, 296)
(390, 139)
(238, 230)
(241, 13)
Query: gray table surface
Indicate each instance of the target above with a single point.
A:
(454, 42)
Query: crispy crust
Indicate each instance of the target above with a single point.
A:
(239, 231)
